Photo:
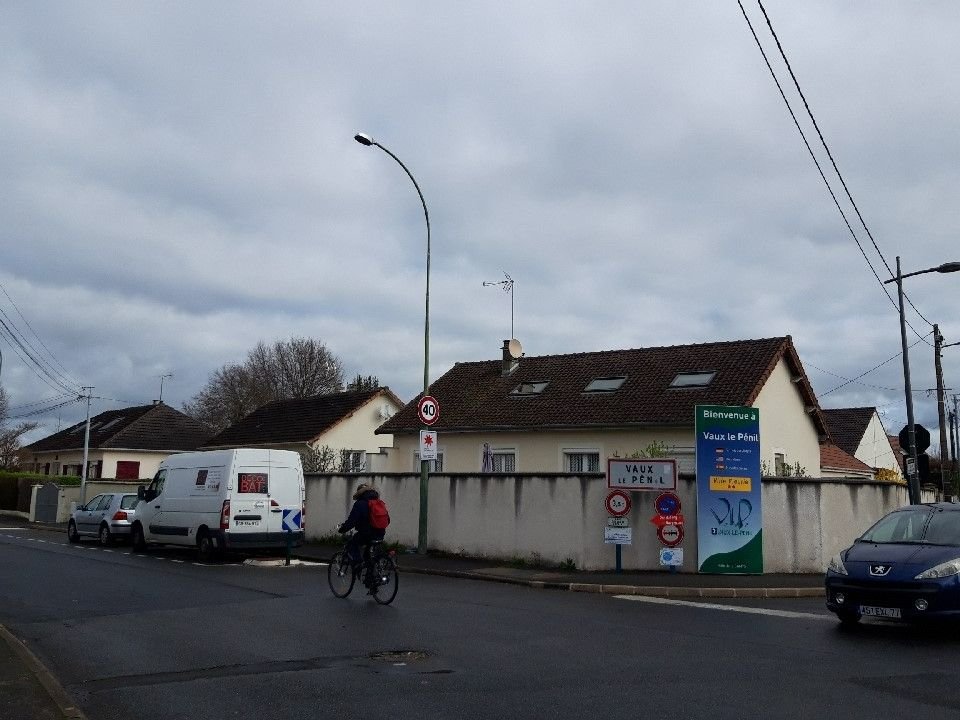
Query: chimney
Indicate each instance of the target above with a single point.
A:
(510, 363)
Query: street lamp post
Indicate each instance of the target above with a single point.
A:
(913, 482)
(424, 464)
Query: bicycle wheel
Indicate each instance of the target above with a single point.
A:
(340, 575)
(386, 578)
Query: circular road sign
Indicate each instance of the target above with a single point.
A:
(428, 410)
(618, 503)
(670, 535)
(667, 503)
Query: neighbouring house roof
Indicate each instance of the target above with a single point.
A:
(897, 451)
(835, 458)
(145, 427)
(848, 425)
(301, 420)
(476, 396)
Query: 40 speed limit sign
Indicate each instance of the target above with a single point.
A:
(428, 410)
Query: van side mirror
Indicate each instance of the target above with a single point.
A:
(141, 493)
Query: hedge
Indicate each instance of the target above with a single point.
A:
(15, 487)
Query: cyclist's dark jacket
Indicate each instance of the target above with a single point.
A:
(359, 518)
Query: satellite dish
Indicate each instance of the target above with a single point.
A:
(515, 349)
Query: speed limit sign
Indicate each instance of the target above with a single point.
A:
(428, 410)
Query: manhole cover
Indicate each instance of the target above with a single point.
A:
(401, 656)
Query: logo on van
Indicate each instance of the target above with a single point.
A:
(201, 478)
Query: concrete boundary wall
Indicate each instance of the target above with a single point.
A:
(558, 517)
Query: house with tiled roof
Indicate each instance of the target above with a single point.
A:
(835, 462)
(859, 432)
(568, 413)
(342, 423)
(125, 444)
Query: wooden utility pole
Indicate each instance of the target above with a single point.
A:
(937, 342)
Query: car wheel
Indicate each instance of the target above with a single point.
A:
(137, 541)
(206, 548)
(72, 534)
(106, 539)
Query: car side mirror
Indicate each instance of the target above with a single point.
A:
(141, 493)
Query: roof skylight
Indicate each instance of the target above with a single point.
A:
(529, 388)
(604, 385)
(693, 379)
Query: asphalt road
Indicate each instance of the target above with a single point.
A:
(158, 637)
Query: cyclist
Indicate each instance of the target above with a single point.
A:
(358, 546)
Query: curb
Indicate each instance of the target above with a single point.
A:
(649, 590)
(47, 680)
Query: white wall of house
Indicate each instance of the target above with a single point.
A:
(356, 431)
(556, 517)
(541, 450)
(149, 461)
(874, 448)
(785, 425)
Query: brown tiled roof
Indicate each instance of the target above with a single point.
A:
(848, 425)
(474, 395)
(897, 451)
(296, 421)
(144, 427)
(835, 458)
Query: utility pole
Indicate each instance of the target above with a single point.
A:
(86, 448)
(955, 439)
(941, 414)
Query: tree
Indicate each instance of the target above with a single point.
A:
(296, 368)
(364, 382)
(10, 436)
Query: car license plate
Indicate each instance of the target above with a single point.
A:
(881, 612)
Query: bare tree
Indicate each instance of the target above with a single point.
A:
(296, 368)
(10, 436)
(364, 382)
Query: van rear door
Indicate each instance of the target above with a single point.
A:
(250, 501)
(286, 494)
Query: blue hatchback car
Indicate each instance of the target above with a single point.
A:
(906, 567)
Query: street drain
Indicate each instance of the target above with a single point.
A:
(399, 656)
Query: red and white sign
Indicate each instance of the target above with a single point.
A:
(670, 535)
(428, 410)
(661, 520)
(618, 503)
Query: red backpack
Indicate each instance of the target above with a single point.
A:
(379, 516)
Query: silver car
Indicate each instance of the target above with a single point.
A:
(106, 517)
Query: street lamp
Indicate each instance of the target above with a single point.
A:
(364, 139)
(913, 483)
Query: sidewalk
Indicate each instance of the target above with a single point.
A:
(27, 689)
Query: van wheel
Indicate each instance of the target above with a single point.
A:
(105, 538)
(206, 549)
(137, 541)
(72, 534)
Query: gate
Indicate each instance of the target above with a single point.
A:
(48, 497)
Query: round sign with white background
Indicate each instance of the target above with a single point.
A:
(618, 503)
(428, 410)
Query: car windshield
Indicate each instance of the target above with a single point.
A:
(129, 502)
(903, 526)
(920, 525)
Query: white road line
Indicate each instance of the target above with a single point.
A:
(727, 608)
(178, 561)
(14, 529)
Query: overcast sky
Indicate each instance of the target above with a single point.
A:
(180, 181)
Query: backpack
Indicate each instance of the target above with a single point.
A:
(379, 516)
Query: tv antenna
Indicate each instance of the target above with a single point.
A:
(507, 286)
(167, 375)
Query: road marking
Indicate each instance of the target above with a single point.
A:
(727, 608)
(14, 530)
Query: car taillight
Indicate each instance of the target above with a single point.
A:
(119, 515)
(225, 515)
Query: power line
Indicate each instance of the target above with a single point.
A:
(823, 142)
(40, 402)
(41, 411)
(37, 368)
(816, 162)
(877, 367)
(13, 333)
(66, 374)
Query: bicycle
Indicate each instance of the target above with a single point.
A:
(378, 570)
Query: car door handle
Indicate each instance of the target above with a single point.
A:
(156, 507)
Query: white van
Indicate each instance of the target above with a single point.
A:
(223, 500)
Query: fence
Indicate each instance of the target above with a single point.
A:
(556, 518)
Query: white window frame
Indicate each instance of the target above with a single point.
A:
(786, 463)
(566, 452)
(503, 452)
(354, 461)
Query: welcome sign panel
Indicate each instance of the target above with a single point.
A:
(729, 512)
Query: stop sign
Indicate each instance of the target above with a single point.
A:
(921, 435)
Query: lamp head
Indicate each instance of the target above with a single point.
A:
(949, 267)
(363, 139)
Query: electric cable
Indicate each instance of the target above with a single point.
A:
(877, 367)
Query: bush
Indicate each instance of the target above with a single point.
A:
(16, 488)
